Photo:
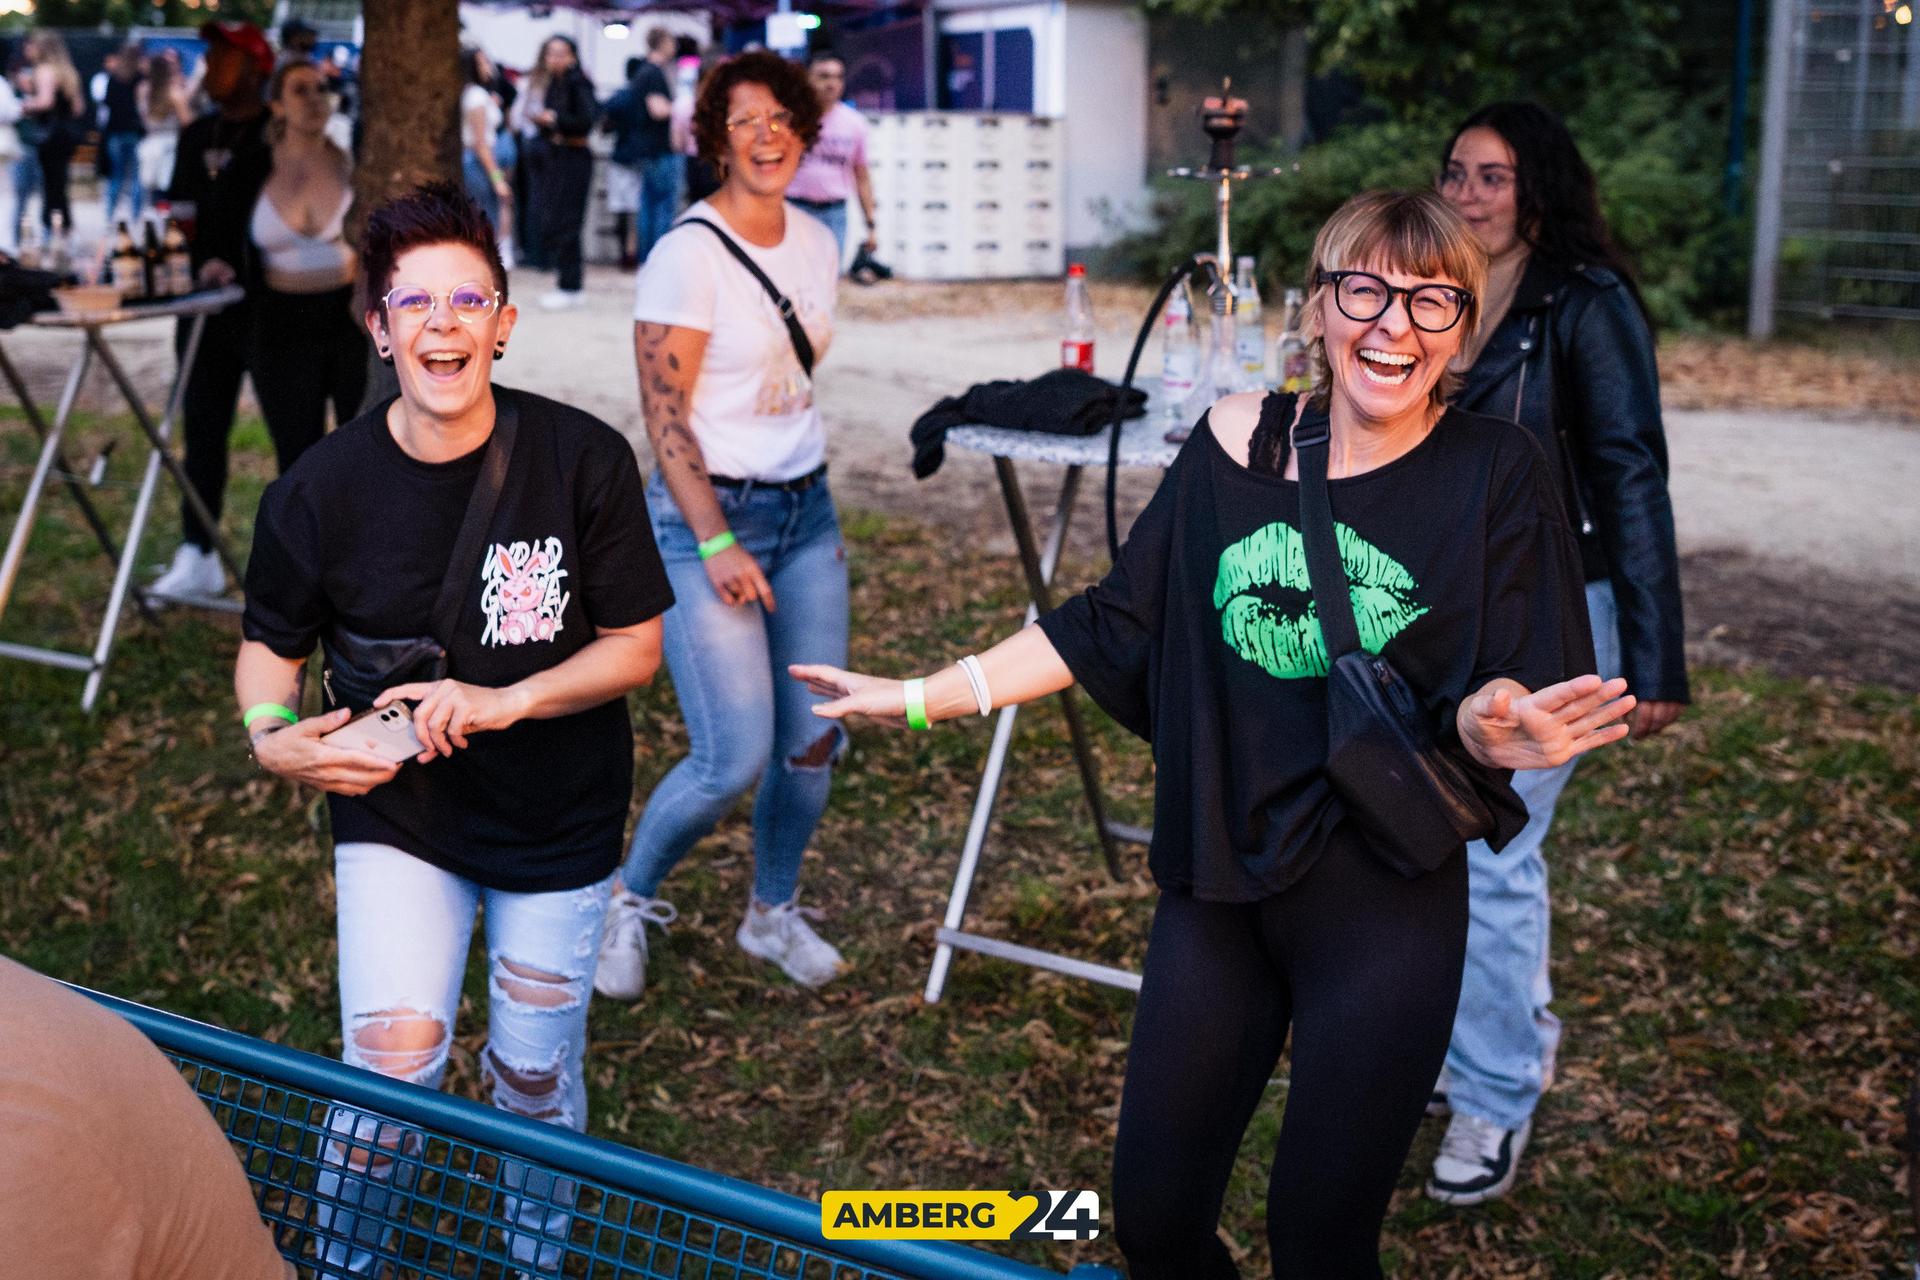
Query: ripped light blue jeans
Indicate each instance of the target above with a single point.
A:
(405, 928)
(748, 721)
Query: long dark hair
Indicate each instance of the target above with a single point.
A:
(1556, 201)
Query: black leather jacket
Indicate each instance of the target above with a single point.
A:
(1573, 362)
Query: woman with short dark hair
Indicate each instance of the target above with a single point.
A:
(745, 521)
(1279, 911)
(1567, 352)
(479, 558)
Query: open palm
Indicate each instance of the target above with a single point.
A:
(1510, 728)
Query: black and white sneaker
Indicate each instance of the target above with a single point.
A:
(1478, 1160)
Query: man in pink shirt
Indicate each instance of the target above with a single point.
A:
(836, 167)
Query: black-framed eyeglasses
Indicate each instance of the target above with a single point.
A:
(469, 302)
(1363, 296)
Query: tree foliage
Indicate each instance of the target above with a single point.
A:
(1641, 83)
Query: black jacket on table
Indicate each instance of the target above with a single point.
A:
(1573, 362)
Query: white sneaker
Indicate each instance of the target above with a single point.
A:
(781, 934)
(1478, 1160)
(562, 300)
(622, 971)
(193, 573)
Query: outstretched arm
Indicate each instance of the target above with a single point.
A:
(1020, 668)
(1506, 727)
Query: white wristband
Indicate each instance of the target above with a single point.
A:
(977, 681)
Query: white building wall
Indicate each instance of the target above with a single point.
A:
(1099, 64)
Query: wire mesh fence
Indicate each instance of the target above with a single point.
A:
(1849, 194)
(359, 1175)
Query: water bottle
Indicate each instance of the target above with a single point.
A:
(1250, 336)
(1290, 353)
(1179, 357)
(59, 255)
(1076, 349)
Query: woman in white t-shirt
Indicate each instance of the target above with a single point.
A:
(480, 172)
(743, 518)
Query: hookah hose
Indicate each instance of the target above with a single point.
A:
(1202, 264)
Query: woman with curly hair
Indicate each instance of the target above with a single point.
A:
(743, 517)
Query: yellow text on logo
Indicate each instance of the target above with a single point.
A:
(960, 1215)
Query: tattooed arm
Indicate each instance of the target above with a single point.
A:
(668, 358)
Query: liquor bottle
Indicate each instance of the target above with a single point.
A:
(1076, 348)
(154, 262)
(59, 255)
(1290, 353)
(179, 260)
(1249, 334)
(124, 267)
(1179, 358)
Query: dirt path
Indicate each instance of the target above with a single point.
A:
(1800, 532)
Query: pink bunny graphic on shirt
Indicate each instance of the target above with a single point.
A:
(522, 597)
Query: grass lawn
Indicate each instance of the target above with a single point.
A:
(1738, 945)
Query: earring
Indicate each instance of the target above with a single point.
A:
(500, 352)
(386, 356)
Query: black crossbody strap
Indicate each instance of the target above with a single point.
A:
(802, 345)
(475, 525)
(1325, 572)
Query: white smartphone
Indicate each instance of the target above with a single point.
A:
(386, 732)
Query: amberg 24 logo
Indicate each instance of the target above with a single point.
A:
(960, 1215)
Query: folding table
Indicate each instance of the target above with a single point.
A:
(52, 461)
(1142, 444)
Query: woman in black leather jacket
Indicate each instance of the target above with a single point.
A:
(564, 108)
(1566, 350)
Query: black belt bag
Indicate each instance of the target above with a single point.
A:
(357, 668)
(1415, 804)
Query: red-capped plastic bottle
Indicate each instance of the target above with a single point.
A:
(1076, 349)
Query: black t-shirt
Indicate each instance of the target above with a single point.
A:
(218, 170)
(123, 107)
(1202, 638)
(356, 531)
(655, 135)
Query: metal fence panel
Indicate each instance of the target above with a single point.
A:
(464, 1190)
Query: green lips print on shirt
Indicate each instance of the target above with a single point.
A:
(1288, 645)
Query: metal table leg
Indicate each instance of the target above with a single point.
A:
(43, 468)
(1039, 564)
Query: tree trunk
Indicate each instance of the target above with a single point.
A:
(409, 114)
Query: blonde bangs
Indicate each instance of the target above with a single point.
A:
(1413, 233)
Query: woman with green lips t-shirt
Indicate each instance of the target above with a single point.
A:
(1274, 913)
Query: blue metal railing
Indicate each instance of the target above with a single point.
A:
(467, 1190)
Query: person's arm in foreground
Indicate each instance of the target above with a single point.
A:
(1020, 668)
(619, 660)
(294, 751)
(668, 357)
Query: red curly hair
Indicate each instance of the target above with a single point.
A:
(785, 80)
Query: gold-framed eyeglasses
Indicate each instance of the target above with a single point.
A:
(774, 122)
(469, 302)
(1363, 296)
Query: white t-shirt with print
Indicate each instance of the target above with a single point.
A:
(753, 411)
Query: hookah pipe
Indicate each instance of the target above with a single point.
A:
(1221, 119)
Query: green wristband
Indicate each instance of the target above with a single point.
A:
(259, 709)
(916, 691)
(716, 544)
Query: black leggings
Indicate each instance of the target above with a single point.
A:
(562, 194)
(308, 349)
(1365, 966)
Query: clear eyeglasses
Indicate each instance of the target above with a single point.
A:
(469, 302)
(774, 122)
(1363, 296)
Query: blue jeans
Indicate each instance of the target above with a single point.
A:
(123, 174)
(405, 927)
(479, 188)
(1504, 1030)
(747, 720)
(659, 201)
(27, 184)
(835, 216)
